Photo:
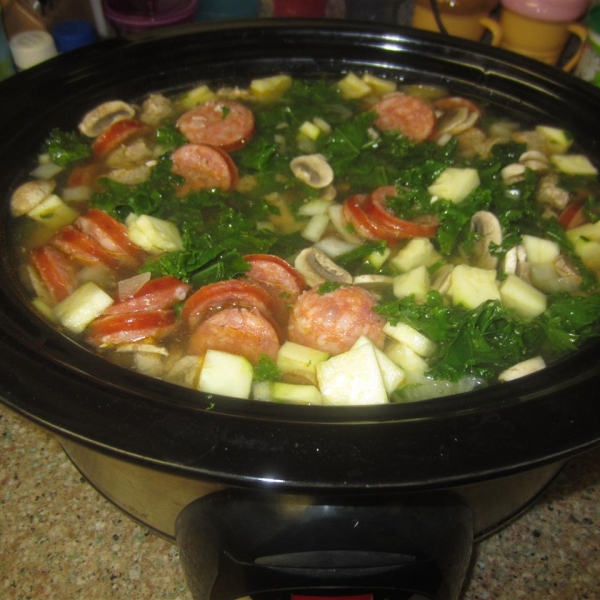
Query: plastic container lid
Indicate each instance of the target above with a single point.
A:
(29, 48)
(73, 34)
(126, 17)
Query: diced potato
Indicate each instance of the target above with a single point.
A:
(154, 235)
(352, 378)
(470, 286)
(81, 307)
(589, 231)
(296, 393)
(454, 184)
(294, 357)
(378, 85)
(417, 252)
(53, 212)
(540, 250)
(310, 130)
(558, 141)
(415, 283)
(408, 360)
(523, 368)
(393, 375)
(270, 88)
(527, 301)
(196, 96)
(44, 308)
(352, 87)
(226, 374)
(415, 340)
(574, 164)
(315, 228)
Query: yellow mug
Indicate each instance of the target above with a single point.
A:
(542, 35)
(467, 19)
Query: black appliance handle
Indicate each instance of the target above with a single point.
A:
(280, 547)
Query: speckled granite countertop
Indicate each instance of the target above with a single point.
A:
(59, 539)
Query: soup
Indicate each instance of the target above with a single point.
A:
(313, 241)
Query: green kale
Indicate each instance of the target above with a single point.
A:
(266, 369)
(66, 147)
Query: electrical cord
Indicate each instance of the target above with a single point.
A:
(436, 14)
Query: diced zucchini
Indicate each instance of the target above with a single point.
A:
(523, 368)
(270, 88)
(527, 301)
(408, 360)
(296, 393)
(540, 250)
(558, 141)
(153, 235)
(589, 231)
(589, 252)
(315, 206)
(293, 357)
(44, 308)
(81, 307)
(352, 378)
(574, 164)
(352, 87)
(261, 391)
(415, 283)
(378, 85)
(315, 228)
(377, 258)
(417, 252)
(470, 286)
(53, 212)
(226, 374)
(454, 184)
(415, 340)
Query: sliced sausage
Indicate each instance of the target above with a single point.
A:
(224, 123)
(280, 279)
(108, 330)
(157, 294)
(82, 248)
(55, 270)
(243, 331)
(118, 133)
(204, 167)
(227, 294)
(410, 116)
(333, 321)
(111, 235)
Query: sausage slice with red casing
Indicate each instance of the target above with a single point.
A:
(243, 331)
(333, 321)
(224, 123)
(410, 116)
(204, 167)
(55, 271)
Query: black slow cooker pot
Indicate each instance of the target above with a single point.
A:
(270, 500)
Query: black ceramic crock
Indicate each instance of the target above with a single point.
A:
(271, 499)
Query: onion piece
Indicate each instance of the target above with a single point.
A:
(128, 287)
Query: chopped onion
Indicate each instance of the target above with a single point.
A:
(46, 171)
(76, 193)
(128, 287)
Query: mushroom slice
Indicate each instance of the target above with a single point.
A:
(513, 173)
(534, 160)
(548, 192)
(28, 195)
(515, 263)
(103, 116)
(488, 230)
(133, 176)
(457, 121)
(441, 279)
(312, 169)
(318, 268)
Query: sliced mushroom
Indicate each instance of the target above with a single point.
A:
(457, 121)
(312, 169)
(103, 116)
(374, 283)
(534, 160)
(441, 279)
(28, 195)
(513, 173)
(129, 155)
(549, 193)
(318, 268)
(133, 176)
(488, 230)
(515, 263)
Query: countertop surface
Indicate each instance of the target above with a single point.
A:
(59, 539)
